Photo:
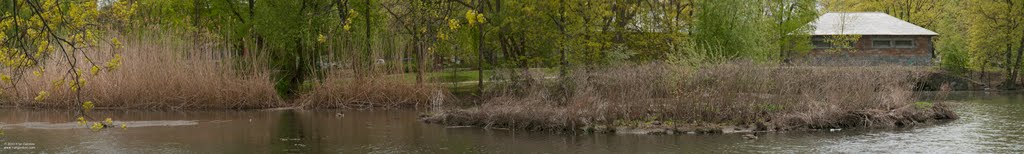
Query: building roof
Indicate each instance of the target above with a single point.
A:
(865, 23)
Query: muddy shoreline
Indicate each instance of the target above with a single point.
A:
(905, 117)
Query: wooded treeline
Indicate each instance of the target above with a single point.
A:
(372, 37)
(303, 38)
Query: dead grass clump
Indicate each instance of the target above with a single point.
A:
(155, 74)
(529, 115)
(801, 96)
(587, 98)
(772, 97)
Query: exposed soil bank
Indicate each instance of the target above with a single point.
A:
(656, 99)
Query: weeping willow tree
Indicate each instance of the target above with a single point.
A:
(789, 19)
(291, 28)
(760, 30)
(294, 35)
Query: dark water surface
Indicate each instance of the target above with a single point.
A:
(989, 124)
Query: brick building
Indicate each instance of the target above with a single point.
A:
(869, 38)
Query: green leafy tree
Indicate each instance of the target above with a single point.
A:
(731, 29)
(789, 20)
(34, 33)
(996, 32)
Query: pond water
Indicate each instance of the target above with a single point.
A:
(990, 123)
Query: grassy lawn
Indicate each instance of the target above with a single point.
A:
(457, 76)
(465, 75)
(448, 76)
(463, 82)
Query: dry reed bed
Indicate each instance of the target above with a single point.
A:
(162, 73)
(154, 74)
(762, 97)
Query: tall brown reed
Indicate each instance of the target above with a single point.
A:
(156, 73)
(339, 90)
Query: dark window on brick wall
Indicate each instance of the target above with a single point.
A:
(877, 43)
(903, 43)
(821, 44)
(885, 42)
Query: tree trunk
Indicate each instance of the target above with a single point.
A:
(1017, 63)
(353, 56)
(561, 49)
(480, 54)
(195, 23)
(369, 56)
(1009, 68)
(421, 61)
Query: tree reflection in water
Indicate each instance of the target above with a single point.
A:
(289, 135)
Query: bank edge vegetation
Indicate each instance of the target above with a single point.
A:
(203, 54)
